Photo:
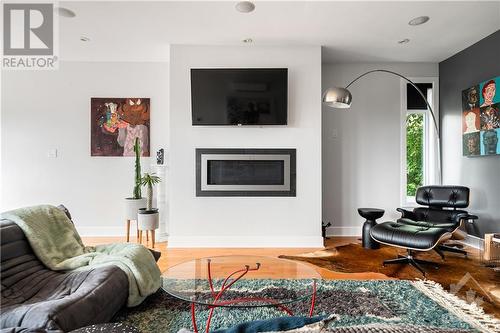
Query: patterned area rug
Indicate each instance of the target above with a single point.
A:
(467, 278)
(391, 303)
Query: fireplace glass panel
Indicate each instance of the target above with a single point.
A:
(245, 172)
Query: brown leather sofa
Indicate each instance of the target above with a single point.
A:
(34, 297)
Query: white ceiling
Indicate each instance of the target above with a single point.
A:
(349, 31)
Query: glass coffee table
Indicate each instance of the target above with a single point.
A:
(241, 282)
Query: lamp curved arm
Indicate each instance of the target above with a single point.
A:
(412, 83)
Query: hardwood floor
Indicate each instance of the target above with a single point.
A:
(172, 257)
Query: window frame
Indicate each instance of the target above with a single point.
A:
(430, 138)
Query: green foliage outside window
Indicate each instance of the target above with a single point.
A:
(414, 152)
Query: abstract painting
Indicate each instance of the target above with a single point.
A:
(116, 122)
(481, 119)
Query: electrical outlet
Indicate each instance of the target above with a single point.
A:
(335, 133)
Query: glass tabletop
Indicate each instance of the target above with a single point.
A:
(241, 281)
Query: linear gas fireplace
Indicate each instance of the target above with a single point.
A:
(245, 172)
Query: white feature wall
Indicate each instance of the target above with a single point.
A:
(362, 145)
(246, 221)
(44, 111)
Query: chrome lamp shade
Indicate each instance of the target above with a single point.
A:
(339, 98)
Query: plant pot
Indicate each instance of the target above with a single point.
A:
(132, 207)
(148, 219)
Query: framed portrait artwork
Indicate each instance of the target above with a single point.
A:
(481, 119)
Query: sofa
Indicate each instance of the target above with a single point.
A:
(36, 298)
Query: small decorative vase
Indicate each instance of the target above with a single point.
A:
(160, 156)
(132, 206)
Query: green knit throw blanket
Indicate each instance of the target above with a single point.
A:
(57, 244)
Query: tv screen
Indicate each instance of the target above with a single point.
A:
(239, 96)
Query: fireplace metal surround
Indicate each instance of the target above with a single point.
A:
(245, 172)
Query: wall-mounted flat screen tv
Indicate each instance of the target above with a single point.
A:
(233, 96)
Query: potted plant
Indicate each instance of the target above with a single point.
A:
(148, 218)
(133, 204)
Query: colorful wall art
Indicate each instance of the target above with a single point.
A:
(481, 119)
(116, 122)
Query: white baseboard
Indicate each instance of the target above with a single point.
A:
(244, 242)
(344, 231)
(114, 231)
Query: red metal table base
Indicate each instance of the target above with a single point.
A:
(217, 295)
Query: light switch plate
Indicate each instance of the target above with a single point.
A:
(52, 153)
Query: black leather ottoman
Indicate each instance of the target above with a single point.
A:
(407, 236)
(417, 237)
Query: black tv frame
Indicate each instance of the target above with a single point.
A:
(239, 68)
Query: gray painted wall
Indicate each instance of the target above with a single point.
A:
(475, 64)
(362, 145)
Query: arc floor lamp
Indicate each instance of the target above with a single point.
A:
(341, 98)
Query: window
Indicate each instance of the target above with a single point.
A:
(419, 138)
(414, 152)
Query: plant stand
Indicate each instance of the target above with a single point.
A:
(132, 206)
(148, 220)
(128, 230)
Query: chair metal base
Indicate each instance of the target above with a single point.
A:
(454, 249)
(410, 259)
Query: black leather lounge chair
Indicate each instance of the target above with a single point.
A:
(426, 228)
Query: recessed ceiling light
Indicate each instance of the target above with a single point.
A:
(84, 39)
(247, 40)
(65, 12)
(403, 41)
(419, 20)
(245, 6)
